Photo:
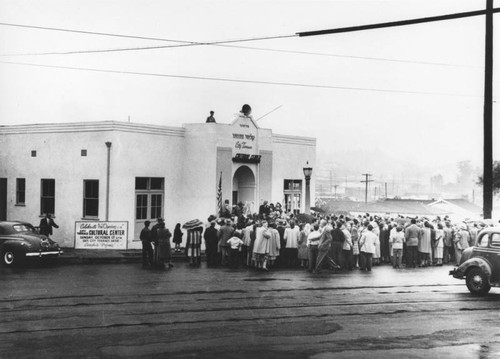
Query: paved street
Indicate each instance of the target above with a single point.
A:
(121, 310)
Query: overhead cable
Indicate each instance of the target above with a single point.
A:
(236, 80)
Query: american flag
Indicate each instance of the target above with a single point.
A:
(219, 195)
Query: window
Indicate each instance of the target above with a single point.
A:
(33, 153)
(141, 182)
(293, 185)
(149, 193)
(47, 200)
(156, 183)
(149, 183)
(142, 206)
(495, 240)
(90, 198)
(156, 205)
(84, 153)
(292, 191)
(483, 241)
(20, 190)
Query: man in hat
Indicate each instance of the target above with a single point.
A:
(211, 236)
(225, 233)
(147, 250)
(247, 242)
(154, 236)
(264, 210)
(46, 225)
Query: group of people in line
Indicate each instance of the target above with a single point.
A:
(273, 239)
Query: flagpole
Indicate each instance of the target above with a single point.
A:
(219, 197)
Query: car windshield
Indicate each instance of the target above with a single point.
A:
(23, 227)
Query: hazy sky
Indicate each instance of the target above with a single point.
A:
(411, 94)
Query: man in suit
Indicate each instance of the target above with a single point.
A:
(46, 225)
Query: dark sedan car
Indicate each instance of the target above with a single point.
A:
(19, 240)
(480, 264)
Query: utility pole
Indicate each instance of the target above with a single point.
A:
(331, 181)
(385, 190)
(488, 83)
(488, 115)
(366, 181)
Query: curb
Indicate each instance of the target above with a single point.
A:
(72, 257)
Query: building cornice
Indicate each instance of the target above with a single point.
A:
(100, 126)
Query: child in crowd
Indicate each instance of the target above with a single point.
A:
(235, 244)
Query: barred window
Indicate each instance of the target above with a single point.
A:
(90, 198)
(47, 198)
(20, 190)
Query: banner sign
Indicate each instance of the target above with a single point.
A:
(244, 136)
(101, 235)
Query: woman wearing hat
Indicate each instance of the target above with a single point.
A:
(178, 237)
(194, 229)
(163, 252)
(261, 246)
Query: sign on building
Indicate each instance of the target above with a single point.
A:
(101, 235)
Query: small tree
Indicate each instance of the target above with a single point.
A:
(496, 177)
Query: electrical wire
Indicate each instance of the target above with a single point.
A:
(185, 43)
(246, 48)
(236, 80)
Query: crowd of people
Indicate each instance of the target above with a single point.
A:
(272, 239)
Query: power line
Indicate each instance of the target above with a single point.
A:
(242, 47)
(348, 56)
(235, 80)
(184, 43)
(397, 23)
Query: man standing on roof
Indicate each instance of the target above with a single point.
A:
(211, 118)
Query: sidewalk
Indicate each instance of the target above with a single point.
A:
(101, 256)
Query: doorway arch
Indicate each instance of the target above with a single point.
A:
(244, 187)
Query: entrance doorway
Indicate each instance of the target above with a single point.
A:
(244, 188)
(149, 202)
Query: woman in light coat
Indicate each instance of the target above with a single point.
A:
(303, 255)
(424, 245)
(261, 246)
(439, 244)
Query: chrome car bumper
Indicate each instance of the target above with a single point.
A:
(41, 254)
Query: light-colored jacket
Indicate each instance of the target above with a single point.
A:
(347, 241)
(368, 242)
(292, 237)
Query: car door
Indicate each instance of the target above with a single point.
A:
(493, 256)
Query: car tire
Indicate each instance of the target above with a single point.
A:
(477, 282)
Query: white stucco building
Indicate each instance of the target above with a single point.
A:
(104, 172)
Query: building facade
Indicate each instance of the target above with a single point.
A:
(102, 180)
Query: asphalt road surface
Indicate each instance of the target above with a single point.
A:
(123, 311)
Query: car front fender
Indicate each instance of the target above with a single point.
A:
(461, 271)
(15, 244)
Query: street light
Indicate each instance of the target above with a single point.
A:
(307, 174)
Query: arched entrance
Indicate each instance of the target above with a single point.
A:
(244, 187)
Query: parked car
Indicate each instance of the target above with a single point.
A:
(480, 264)
(20, 240)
